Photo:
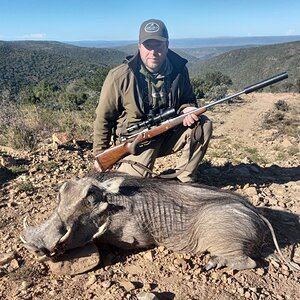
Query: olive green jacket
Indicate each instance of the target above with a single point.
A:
(121, 100)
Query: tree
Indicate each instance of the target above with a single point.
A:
(95, 82)
(213, 85)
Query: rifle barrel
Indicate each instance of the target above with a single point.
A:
(247, 90)
(266, 82)
(198, 111)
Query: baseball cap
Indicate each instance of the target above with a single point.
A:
(153, 29)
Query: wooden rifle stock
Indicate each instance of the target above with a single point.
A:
(109, 157)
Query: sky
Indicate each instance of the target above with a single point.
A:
(79, 20)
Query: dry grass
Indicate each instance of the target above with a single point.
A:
(24, 126)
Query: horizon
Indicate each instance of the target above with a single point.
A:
(171, 39)
(74, 20)
(193, 38)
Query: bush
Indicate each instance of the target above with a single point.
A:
(15, 131)
(213, 85)
(22, 137)
(281, 105)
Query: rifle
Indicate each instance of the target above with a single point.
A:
(110, 156)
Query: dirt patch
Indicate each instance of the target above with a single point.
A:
(246, 156)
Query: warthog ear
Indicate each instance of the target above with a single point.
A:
(112, 185)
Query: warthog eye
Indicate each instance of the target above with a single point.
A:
(93, 197)
(90, 200)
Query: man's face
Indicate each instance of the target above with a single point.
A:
(153, 54)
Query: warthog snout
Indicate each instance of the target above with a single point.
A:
(72, 224)
(45, 245)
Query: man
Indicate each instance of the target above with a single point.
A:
(153, 80)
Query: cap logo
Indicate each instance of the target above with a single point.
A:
(152, 27)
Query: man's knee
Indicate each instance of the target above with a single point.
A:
(202, 132)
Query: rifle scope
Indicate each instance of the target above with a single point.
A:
(153, 120)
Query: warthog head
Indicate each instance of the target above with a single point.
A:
(79, 218)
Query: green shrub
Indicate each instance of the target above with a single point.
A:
(293, 150)
(22, 137)
(25, 187)
(281, 105)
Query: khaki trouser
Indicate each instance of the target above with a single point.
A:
(170, 142)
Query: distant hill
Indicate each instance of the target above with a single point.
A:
(102, 44)
(231, 41)
(27, 62)
(247, 66)
(204, 53)
(198, 42)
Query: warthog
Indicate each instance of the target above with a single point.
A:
(133, 212)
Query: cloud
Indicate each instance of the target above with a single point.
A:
(34, 36)
(291, 32)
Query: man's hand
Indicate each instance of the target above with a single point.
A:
(189, 120)
(97, 167)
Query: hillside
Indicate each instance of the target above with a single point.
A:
(27, 62)
(246, 66)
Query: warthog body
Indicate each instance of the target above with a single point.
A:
(132, 212)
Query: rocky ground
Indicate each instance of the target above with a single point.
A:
(254, 151)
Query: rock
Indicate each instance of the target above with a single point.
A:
(76, 261)
(60, 138)
(241, 291)
(246, 160)
(106, 284)
(91, 280)
(146, 296)
(133, 270)
(220, 162)
(260, 271)
(14, 265)
(215, 276)
(250, 191)
(6, 258)
(273, 201)
(148, 255)
(127, 285)
(26, 284)
(180, 262)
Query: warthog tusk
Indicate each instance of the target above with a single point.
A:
(42, 258)
(25, 223)
(22, 239)
(66, 236)
(100, 231)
